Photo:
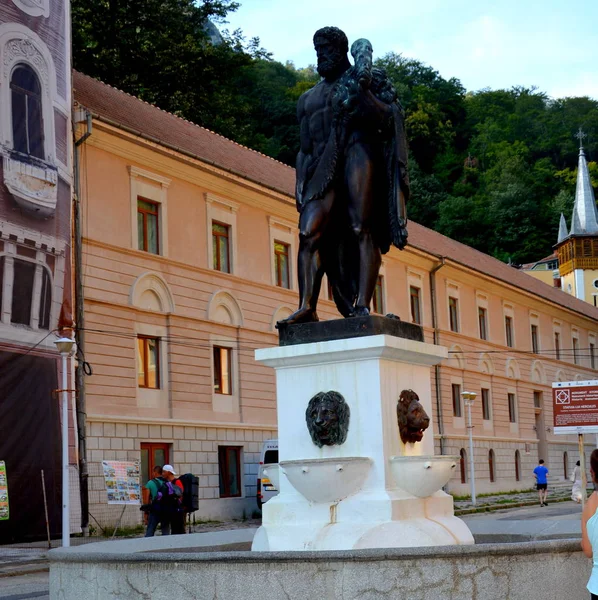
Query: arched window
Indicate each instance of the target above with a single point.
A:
(517, 466)
(463, 465)
(491, 466)
(566, 465)
(27, 120)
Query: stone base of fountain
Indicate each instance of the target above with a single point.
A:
(372, 490)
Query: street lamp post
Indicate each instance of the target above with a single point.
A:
(468, 398)
(65, 347)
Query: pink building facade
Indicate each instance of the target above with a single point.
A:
(190, 244)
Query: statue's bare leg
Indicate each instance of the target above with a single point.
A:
(359, 176)
(312, 224)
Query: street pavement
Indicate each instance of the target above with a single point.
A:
(21, 587)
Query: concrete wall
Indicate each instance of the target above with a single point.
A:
(525, 571)
(193, 450)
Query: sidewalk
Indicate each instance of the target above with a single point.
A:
(32, 557)
(557, 493)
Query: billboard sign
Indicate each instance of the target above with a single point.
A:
(575, 406)
(122, 481)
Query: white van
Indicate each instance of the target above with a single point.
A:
(265, 488)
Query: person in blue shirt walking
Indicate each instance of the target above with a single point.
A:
(541, 473)
(589, 529)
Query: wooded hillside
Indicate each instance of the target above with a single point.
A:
(491, 168)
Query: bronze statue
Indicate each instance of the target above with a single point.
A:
(327, 417)
(413, 419)
(352, 183)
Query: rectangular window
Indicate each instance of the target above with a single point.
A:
(576, 351)
(454, 314)
(223, 383)
(22, 292)
(486, 404)
(415, 302)
(281, 264)
(592, 356)
(512, 408)
(148, 227)
(378, 299)
(229, 465)
(456, 390)
(483, 322)
(221, 246)
(148, 361)
(45, 301)
(537, 399)
(535, 346)
(509, 331)
(557, 345)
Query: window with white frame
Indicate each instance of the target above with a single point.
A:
(378, 298)
(221, 220)
(512, 401)
(486, 407)
(509, 325)
(27, 115)
(225, 374)
(283, 236)
(26, 282)
(149, 211)
(416, 290)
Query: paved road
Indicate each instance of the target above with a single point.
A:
(559, 521)
(21, 587)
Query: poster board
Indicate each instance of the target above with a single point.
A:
(4, 510)
(122, 481)
(575, 407)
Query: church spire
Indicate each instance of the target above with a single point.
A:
(563, 232)
(585, 213)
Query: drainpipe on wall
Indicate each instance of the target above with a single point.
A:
(436, 337)
(80, 116)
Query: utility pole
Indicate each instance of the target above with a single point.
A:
(468, 398)
(80, 116)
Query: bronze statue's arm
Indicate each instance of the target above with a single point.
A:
(304, 152)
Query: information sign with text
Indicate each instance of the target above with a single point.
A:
(575, 406)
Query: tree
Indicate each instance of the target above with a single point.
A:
(159, 51)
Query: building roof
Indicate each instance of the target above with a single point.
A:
(127, 112)
(114, 106)
(585, 213)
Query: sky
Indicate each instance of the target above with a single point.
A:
(550, 44)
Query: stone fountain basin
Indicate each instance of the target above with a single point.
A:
(272, 472)
(421, 476)
(327, 480)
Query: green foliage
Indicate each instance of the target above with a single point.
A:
(493, 168)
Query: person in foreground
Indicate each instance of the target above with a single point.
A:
(541, 474)
(589, 529)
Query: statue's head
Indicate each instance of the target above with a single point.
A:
(331, 46)
(327, 418)
(412, 417)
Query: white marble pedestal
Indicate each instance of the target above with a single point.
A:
(370, 373)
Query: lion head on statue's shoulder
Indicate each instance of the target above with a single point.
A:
(327, 418)
(413, 419)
